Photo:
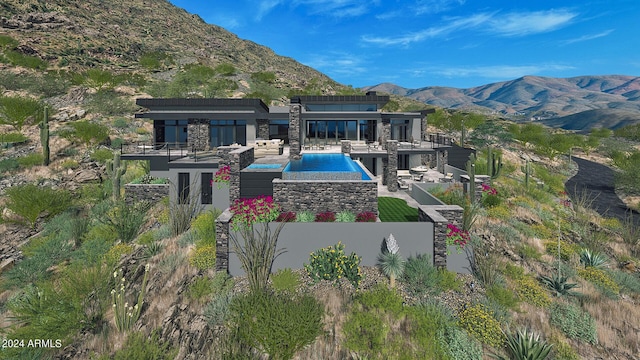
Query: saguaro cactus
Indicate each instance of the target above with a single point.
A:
(44, 137)
(526, 169)
(115, 170)
(494, 164)
(471, 171)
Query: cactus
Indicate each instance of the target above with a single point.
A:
(527, 173)
(471, 171)
(494, 164)
(115, 170)
(44, 137)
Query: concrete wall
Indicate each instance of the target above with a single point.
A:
(423, 197)
(220, 197)
(455, 171)
(365, 239)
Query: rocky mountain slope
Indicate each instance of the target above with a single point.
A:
(541, 97)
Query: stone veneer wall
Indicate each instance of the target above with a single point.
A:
(237, 159)
(386, 132)
(392, 165)
(423, 127)
(295, 111)
(429, 160)
(223, 232)
(198, 131)
(480, 180)
(263, 128)
(345, 146)
(145, 192)
(440, 216)
(322, 195)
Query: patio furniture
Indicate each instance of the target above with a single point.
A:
(404, 174)
(420, 169)
(417, 177)
(403, 184)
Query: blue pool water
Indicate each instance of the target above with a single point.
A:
(264, 166)
(323, 164)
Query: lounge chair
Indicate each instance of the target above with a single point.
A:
(402, 184)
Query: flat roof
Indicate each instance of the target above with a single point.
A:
(163, 103)
(341, 99)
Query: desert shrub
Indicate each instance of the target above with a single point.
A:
(458, 345)
(285, 280)
(425, 321)
(19, 59)
(326, 216)
(225, 69)
(125, 219)
(85, 132)
(204, 227)
(600, 278)
(567, 251)
(200, 288)
(525, 344)
(528, 252)
(12, 138)
(91, 251)
(110, 103)
(217, 310)
(530, 291)
(503, 297)
(155, 60)
(30, 201)
(103, 232)
(628, 283)
(382, 298)
(345, 216)
(366, 216)
(277, 324)
(288, 216)
(331, 263)
(113, 256)
(101, 155)
(142, 347)
(203, 257)
(574, 322)
(19, 111)
(146, 238)
(499, 212)
(479, 322)
(9, 165)
(420, 276)
(365, 333)
(69, 164)
(564, 351)
(595, 259)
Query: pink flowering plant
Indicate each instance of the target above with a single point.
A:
(222, 176)
(247, 211)
(457, 237)
(490, 196)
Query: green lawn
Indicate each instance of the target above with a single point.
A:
(396, 210)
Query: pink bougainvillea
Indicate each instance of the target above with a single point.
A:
(488, 190)
(248, 211)
(222, 176)
(457, 237)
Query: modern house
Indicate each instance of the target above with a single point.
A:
(192, 136)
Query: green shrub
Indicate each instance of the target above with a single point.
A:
(458, 345)
(559, 284)
(33, 159)
(277, 324)
(91, 251)
(479, 322)
(113, 256)
(420, 276)
(102, 232)
(141, 347)
(204, 227)
(574, 322)
(101, 155)
(530, 291)
(285, 280)
(12, 138)
(525, 345)
(448, 280)
(200, 288)
(86, 132)
(16, 110)
(425, 322)
(155, 60)
(503, 297)
(566, 250)
(7, 42)
(382, 298)
(628, 283)
(69, 164)
(30, 201)
(203, 257)
(600, 278)
(564, 351)
(9, 165)
(331, 263)
(125, 219)
(225, 69)
(19, 59)
(217, 310)
(345, 216)
(305, 216)
(365, 333)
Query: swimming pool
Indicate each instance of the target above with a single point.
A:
(324, 167)
(264, 166)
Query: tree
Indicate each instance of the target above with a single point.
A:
(16, 110)
(490, 133)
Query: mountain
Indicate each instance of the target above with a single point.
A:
(586, 120)
(538, 97)
(115, 35)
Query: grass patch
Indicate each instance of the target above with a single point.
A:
(396, 210)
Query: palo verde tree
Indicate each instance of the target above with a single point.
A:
(18, 111)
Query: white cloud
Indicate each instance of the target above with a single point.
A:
(336, 8)
(265, 7)
(435, 6)
(510, 24)
(337, 63)
(588, 37)
(526, 23)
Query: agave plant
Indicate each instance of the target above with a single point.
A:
(594, 259)
(559, 284)
(525, 345)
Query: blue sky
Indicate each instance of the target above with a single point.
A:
(457, 43)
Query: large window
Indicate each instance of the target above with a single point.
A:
(400, 130)
(331, 131)
(341, 107)
(227, 132)
(183, 188)
(207, 190)
(279, 129)
(172, 132)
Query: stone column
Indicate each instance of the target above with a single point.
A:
(428, 160)
(385, 166)
(198, 135)
(481, 180)
(295, 120)
(392, 168)
(222, 240)
(440, 216)
(423, 126)
(386, 132)
(442, 158)
(346, 146)
(263, 129)
(237, 159)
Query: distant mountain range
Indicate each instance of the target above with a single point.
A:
(578, 103)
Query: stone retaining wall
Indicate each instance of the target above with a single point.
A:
(440, 216)
(322, 195)
(145, 192)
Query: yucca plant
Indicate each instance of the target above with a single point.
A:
(594, 259)
(524, 345)
(390, 261)
(559, 285)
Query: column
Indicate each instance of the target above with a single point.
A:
(392, 167)
(295, 111)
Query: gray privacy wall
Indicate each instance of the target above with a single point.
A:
(365, 239)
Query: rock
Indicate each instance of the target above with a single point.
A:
(87, 175)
